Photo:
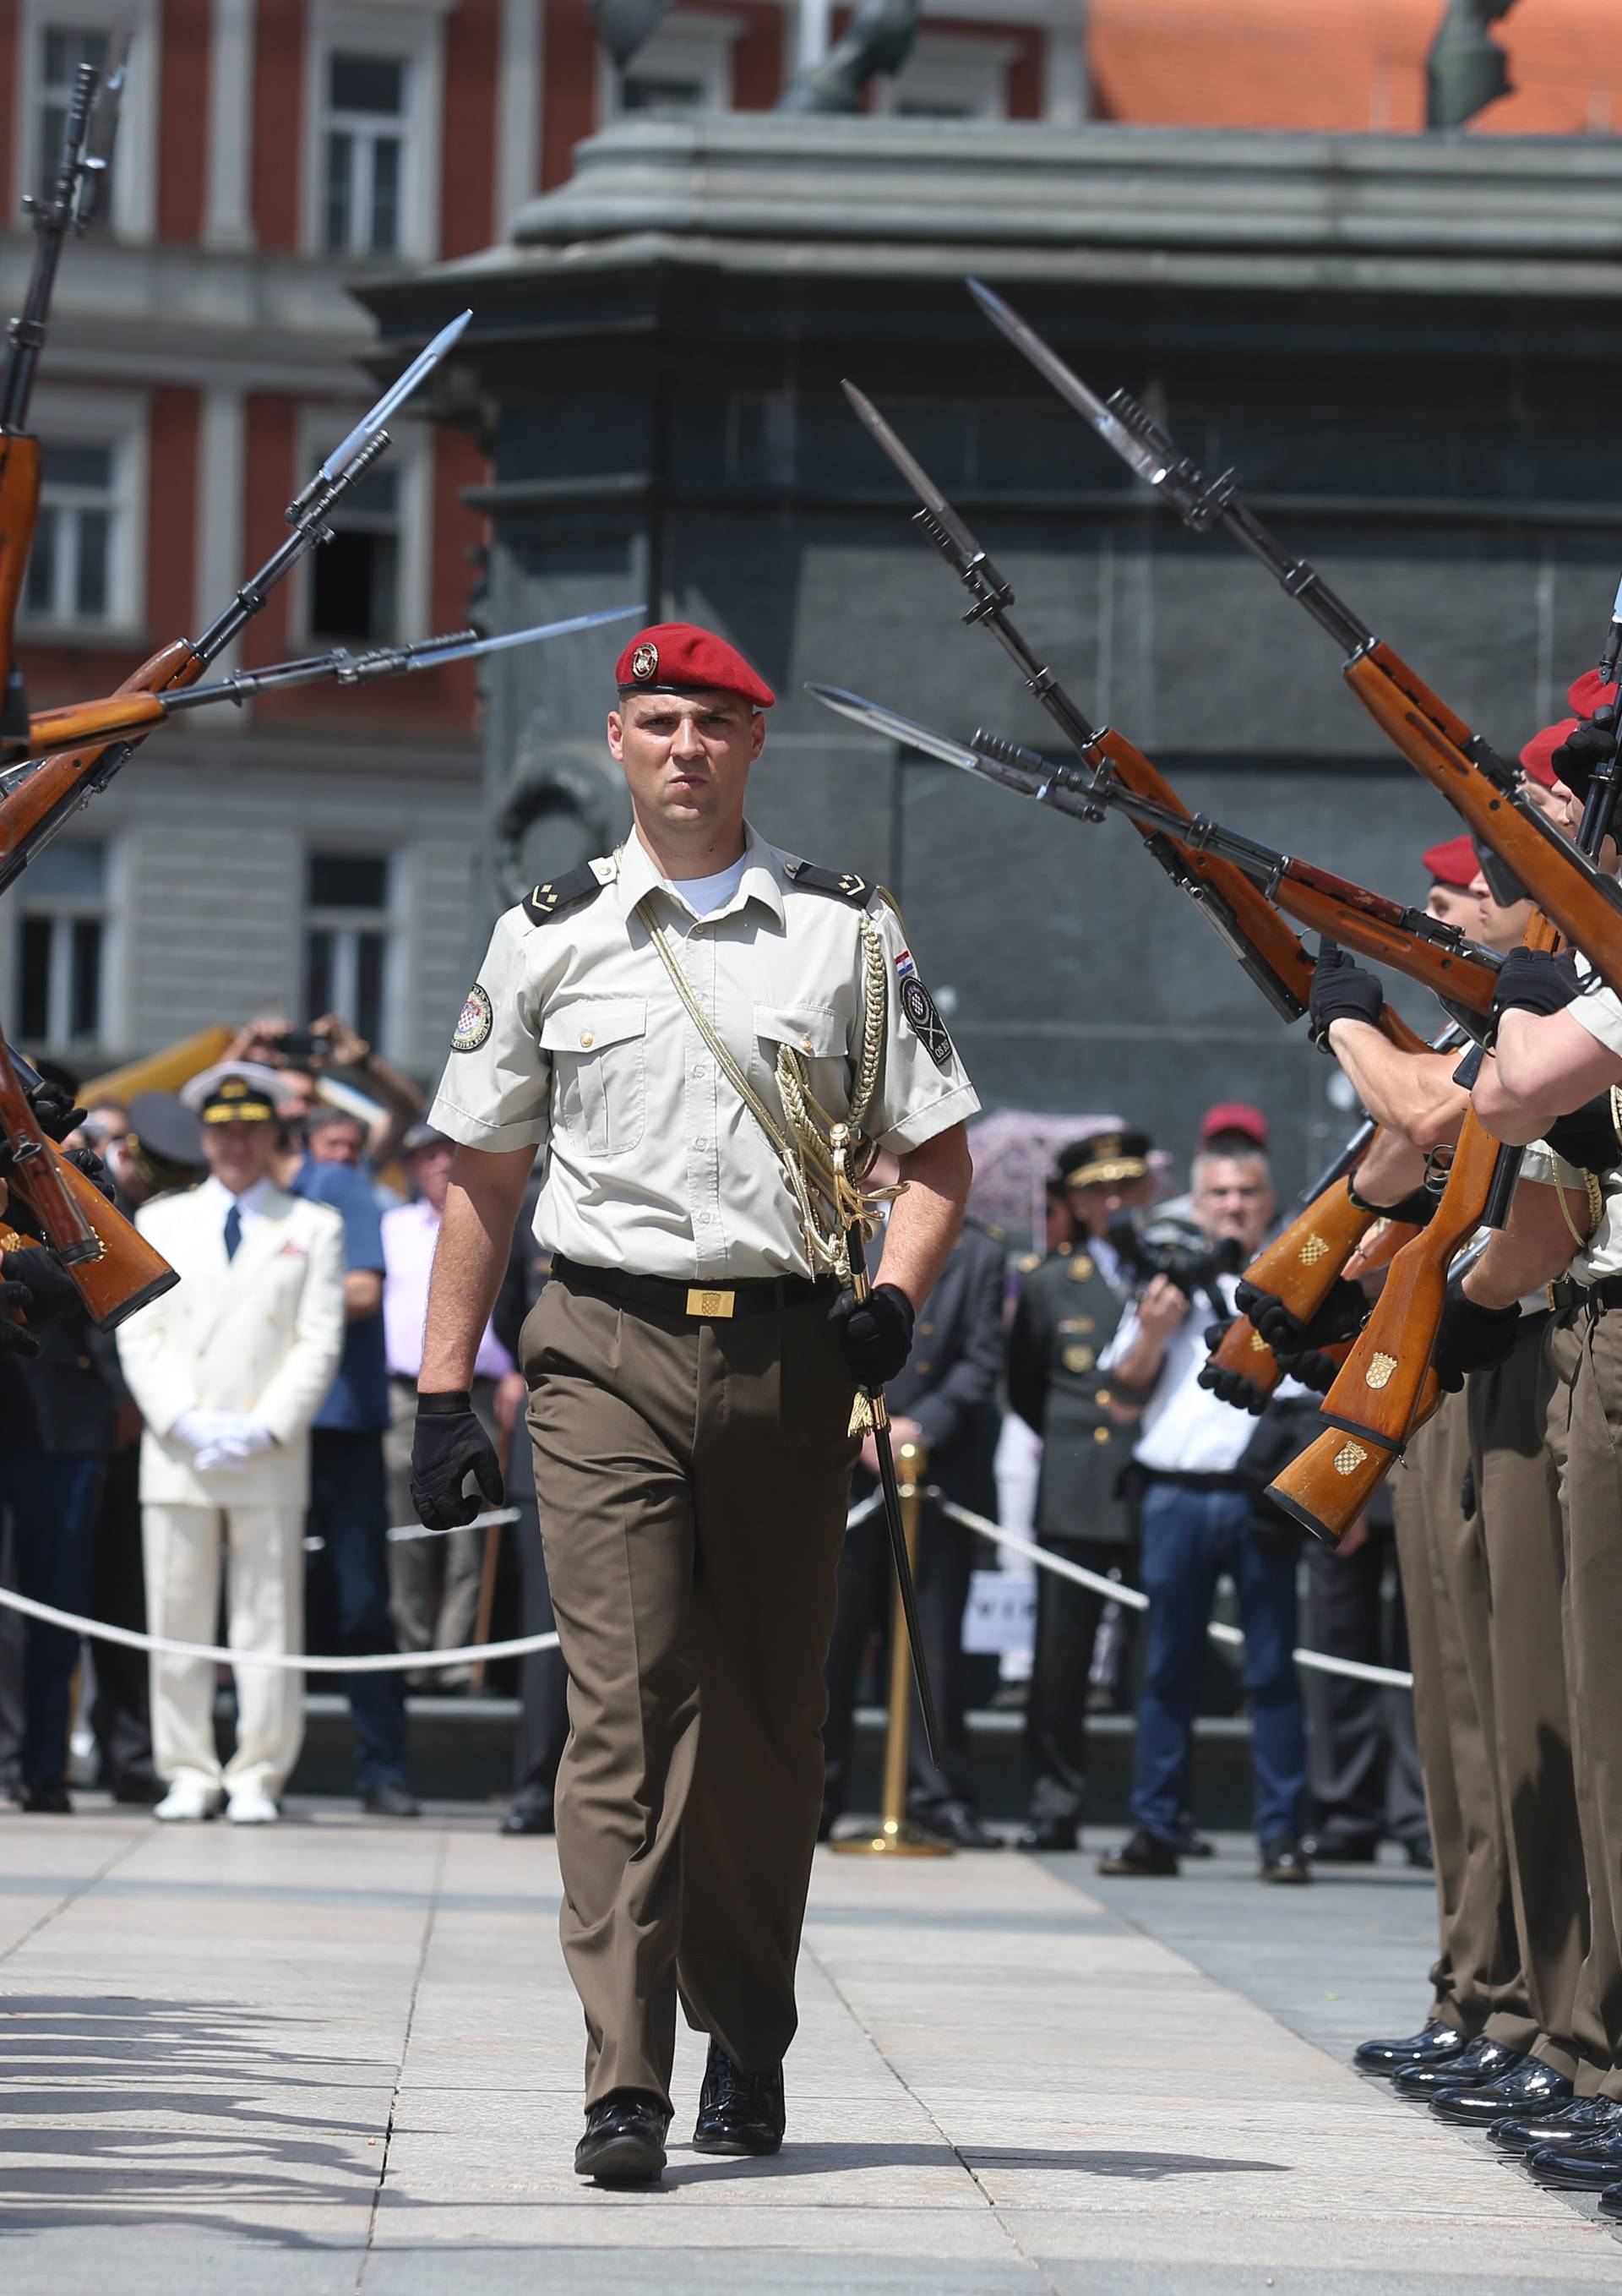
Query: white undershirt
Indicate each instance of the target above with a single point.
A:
(705, 894)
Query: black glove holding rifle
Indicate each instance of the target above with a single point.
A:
(1341, 990)
(875, 1334)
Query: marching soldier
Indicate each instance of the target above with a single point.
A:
(680, 1023)
(1069, 1307)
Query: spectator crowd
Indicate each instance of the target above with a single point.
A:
(233, 1466)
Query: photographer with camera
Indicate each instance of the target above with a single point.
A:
(1205, 1466)
(301, 1055)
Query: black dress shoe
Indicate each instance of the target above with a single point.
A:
(624, 2142)
(144, 1787)
(1578, 2122)
(1284, 1860)
(1049, 1833)
(1611, 2200)
(1145, 1853)
(1586, 2168)
(1530, 2090)
(1187, 1843)
(1420, 1856)
(1435, 2043)
(46, 1798)
(1341, 1850)
(738, 2113)
(1484, 2060)
(528, 1817)
(390, 1801)
(956, 1822)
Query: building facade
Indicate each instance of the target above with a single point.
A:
(323, 849)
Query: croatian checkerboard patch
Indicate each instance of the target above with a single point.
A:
(476, 1022)
(927, 1024)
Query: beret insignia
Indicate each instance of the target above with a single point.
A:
(477, 1019)
(644, 661)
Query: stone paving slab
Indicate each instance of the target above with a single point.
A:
(345, 2056)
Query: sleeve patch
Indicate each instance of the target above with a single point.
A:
(925, 1020)
(477, 1018)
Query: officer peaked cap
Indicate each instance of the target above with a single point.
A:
(1098, 1157)
(680, 658)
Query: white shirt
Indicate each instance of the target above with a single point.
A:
(706, 896)
(1185, 1430)
(250, 1204)
(574, 1038)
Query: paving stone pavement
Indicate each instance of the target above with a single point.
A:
(344, 2055)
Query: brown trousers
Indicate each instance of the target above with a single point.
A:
(1583, 1366)
(1476, 1978)
(1520, 1675)
(693, 1479)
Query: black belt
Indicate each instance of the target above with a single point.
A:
(1182, 1482)
(712, 1302)
(1567, 1293)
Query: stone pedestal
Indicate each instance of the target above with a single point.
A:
(1407, 345)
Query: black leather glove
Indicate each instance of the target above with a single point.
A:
(1230, 1386)
(1587, 1138)
(1592, 743)
(15, 1338)
(54, 1109)
(448, 1444)
(1471, 1338)
(1414, 1210)
(87, 1160)
(875, 1335)
(1314, 1369)
(1341, 990)
(1340, 1313)
(1532, 980)
(51, 1294)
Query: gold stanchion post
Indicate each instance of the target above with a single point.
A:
(897, 1836)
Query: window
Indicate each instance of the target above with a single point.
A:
(365, 135)
(950, 76)
(348, 936)
(71, 567)
(355, 578)
(685, 64)
(63, 49)
(62, 947)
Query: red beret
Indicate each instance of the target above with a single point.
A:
(1586, 692)
(1537, 759)
(1455, 863)
(680, 658)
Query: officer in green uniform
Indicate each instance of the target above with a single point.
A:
(1069, 1307)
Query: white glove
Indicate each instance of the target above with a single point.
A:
(196, 1428)
(230, 1442)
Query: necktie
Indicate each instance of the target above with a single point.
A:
(233, 1231)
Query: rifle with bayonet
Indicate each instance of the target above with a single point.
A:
(1565, 883)
(64, 213)
(140, 712)
(1268, 952)
(50, 791)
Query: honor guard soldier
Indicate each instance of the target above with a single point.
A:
(1069, 1305)
(680, 1025)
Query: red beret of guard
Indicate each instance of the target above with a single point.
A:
(680, 658)
(1586, 692)
(1537, 759)
(1455, 863)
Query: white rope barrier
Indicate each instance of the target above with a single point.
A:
(1354, 1670)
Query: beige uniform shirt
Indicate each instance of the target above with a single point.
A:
(1599, 1010)
(574, 1039)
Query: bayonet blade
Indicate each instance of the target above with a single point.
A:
(877, 719)
(101, 134)
(1143, 459)
(468, 648)
(912, 471)
(397, 394)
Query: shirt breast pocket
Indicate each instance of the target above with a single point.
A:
(816, 1032)
(599, 1061)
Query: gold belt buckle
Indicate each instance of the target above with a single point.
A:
(717, 1306)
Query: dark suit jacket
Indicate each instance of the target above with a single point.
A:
(63, 1400)
(1066, 1317)
(950, 1383)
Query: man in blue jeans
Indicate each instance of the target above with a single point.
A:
(1201, 1521)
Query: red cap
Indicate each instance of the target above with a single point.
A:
(1586, 692)
(1456, 863)
(680, 658)
(1234, 1116)
(1537, 758)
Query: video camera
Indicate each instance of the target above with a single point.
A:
(1186, 1257)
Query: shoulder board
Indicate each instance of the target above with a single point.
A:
(845, 882)
(559, 893)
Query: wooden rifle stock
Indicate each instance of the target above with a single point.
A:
(1328, 1486)
(113, 1268)
(55, 787)
(1359, 920)
(1244, 1350)
(19, 511)
(1436, 743)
